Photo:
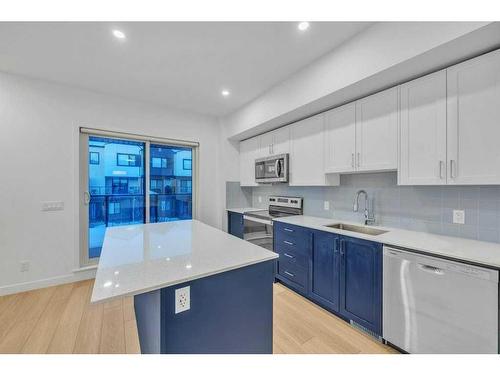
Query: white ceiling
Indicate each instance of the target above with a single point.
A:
(179, 64)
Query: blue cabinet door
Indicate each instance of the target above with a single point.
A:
(361, 282)
(325, 270)
(235, 224)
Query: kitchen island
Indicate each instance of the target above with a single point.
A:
(196, 288)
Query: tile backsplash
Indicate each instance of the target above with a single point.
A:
(419, 208)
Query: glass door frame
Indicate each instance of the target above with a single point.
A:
(84, 196)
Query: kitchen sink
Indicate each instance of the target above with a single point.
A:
(357, 228)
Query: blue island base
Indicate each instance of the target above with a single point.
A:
(231, 312)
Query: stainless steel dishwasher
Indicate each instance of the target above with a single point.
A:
(433, 305)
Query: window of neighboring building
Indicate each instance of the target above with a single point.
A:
(186, 186)
(158, 162)
(128, 160)
(186, 164)
(93, 158)
(119, 185)
(114, 208)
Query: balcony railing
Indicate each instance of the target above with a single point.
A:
(123, 209)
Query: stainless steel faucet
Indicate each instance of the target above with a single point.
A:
(369, 219)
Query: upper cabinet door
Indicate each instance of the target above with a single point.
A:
(474, 121)
(281, 141)
(340, 139)
(249, 150)
(377, 131)
(266, 144)
(306, 152)
(423, 131)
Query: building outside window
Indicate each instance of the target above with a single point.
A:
(128, 160)
(114, 208)
(159, 162)
(94, 158)
(186, 164)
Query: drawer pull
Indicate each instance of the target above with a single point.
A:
(289, 274)
(288, 230)
(289, 243)
(288, 255)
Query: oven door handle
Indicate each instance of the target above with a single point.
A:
(257, 220)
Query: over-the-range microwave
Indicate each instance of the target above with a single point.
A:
(271, 169)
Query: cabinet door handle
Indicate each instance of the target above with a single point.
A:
(289, 274)
(289, 243)
(342, 250)
(453, 166)
(359, 159)
(352, 160)
(335, 245)
(441, 165)
(288, 255)
(288, 230)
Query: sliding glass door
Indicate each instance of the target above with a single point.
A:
(131, 181)
(115, 187)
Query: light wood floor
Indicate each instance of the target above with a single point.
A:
(60, 319)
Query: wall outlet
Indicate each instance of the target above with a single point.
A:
(182, 299)
(326, 205)
(25, 266)
(260, 199)
(458, 217)
(53, 206)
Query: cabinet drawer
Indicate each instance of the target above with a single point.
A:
(285, 244)
(293, 257)
(290, 231)
(292, 272)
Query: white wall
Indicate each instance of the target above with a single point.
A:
(378, 57)
(39, 161)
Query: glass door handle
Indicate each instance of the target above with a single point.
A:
(86, 197)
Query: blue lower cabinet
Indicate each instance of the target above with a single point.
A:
(293, 245)
(235, 224)
(325, 270)
(361, 282)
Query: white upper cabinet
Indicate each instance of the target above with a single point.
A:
(377, 131)
(275, 142)
(423, 131)
(249, 151)
(340, 139)
(281, 141)
(307, 153)
(474, 121)
(266, 144)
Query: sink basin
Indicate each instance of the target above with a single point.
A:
(357, 228)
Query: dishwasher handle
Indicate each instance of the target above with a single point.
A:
(431, 269)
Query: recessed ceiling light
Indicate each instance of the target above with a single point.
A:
(303, 26)
(119, 34)
(225, 92)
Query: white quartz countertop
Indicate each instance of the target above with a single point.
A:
(140, 258)
(244, 209)
(478, 252)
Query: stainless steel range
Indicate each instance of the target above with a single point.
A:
(258, 225)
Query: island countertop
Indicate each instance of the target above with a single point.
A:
(140, 258)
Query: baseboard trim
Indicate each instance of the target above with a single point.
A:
(43, 283)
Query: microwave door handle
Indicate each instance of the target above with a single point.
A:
(277, 168)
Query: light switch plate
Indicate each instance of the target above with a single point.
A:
(458, 217)
(326, 205)
(182, 299)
